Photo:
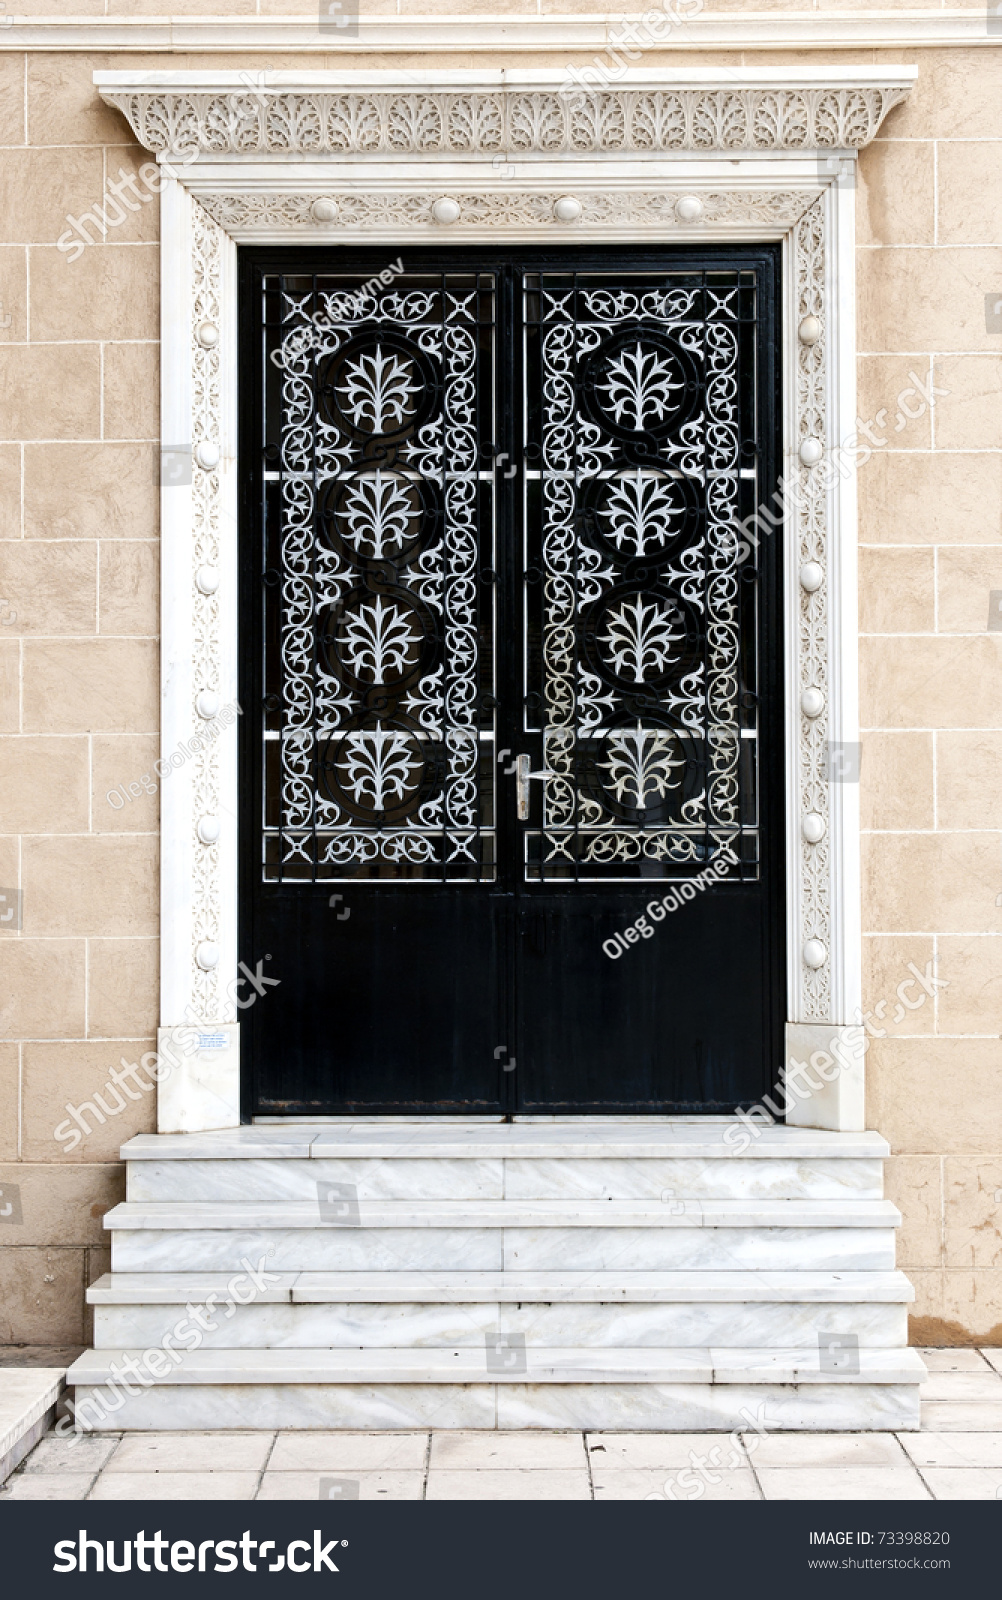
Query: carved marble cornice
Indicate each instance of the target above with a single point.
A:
(543, 114)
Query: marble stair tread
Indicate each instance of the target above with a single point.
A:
(275, 1143)
(177, 1288)
(463, 1215)
(468, 1365)
(461, 1288)
(806, 1366)
(604, 1287)
(476, 1141)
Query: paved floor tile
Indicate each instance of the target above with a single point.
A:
(47, 1486)
(842, 1483)
(473, 1451)
(964, 1483)
(615, 1451)
(825, 1450)
(508, 1484)
(954, 1449)
(174, 1486)
(349, 1452)
(954, 1360)
(685, 1485)
(74, 1452)
(963, 1386)
(951, 1416)
(328, 1486)
(993, 1357)
(191, 1452)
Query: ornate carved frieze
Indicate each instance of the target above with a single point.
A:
(808, 511)
(206, 431)
(563, 120)
(502, 208)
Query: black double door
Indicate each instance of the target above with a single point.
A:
(511, 760)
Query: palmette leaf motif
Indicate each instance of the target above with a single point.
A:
(377, 389)
(641, 637)
(639, 513)
(378, 513)
(642, 765)
(381, 767)
(639, 387)
(377, 639)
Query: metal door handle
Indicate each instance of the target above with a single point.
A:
(522, 776)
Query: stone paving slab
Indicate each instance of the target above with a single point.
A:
(176, 1486)
(328, 1486)
(682, 1486)
(842, 1483)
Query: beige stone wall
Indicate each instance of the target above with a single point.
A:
(79, 672)
(79, 686)
(930, 252)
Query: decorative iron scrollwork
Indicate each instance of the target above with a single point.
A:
(647, 641)
(385, 529)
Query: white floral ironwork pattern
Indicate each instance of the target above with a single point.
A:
(382, 528)
(640, 639)
(512, 121)
(640, 658)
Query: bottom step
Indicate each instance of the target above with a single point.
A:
(506, 1362)
(508, 1388)
(620, 1408)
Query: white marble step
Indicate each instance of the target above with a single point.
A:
(616, 1407)
(540, 1365)
(371, 1309)
(423, 1324)
(468, 1215)
(586, 1138)
(659, 1276)
(505, 1249)
(823, 1288)
(508, 1177)
(28, 1397)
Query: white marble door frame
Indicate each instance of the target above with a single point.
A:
(291, 158)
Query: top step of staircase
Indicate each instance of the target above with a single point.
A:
(709, 1140)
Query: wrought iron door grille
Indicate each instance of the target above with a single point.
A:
(379, 537)
(640, 653)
